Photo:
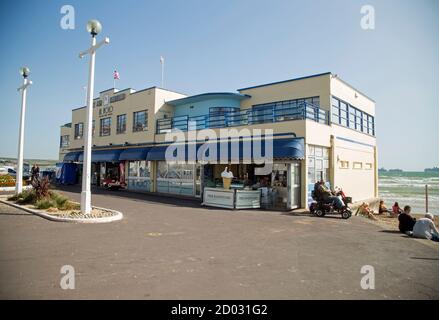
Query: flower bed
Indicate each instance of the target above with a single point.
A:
(42, 201)
(9, 181)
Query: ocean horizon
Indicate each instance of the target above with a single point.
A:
(408, 188)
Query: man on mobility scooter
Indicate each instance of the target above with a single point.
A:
(328, 202)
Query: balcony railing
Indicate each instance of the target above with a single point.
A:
(276, 112)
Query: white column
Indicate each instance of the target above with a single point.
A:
(19, 175)
(86, 166)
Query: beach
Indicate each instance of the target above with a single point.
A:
(408, 188)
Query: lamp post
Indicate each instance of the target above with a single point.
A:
(93, 27)
(24, 71)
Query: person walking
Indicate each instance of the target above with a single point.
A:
(35, 172)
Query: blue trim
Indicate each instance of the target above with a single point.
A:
(284, 81)
(72, 156)
(207, 96)
(134, 154)
(357, 142)
(166, 143)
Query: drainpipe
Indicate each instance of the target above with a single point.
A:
(375, 168)
(332, 162)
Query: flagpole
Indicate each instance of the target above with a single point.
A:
(162, 61)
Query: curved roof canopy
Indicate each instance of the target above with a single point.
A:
(208, 96)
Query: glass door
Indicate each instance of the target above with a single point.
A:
(294, 185)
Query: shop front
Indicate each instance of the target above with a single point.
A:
(106, 167)
(137, 170)
(275, 184)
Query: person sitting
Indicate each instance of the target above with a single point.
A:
(396, 209)
(382, 208)
(324, 194)
(424, 228)
(364, 210)
(406, 221)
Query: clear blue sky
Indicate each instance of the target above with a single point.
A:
(222, 46)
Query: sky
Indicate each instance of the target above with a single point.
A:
(222, 46)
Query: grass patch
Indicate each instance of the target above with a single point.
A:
(45, 204)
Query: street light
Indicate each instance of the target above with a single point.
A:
(24, 71)
(94, 27)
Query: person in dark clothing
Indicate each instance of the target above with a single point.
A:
(322, 193)
(406, 221)
(35, 172)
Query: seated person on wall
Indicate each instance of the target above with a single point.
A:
(406, 221)
(396, 209)
(382, 208)
(322, 193)
(424, 228)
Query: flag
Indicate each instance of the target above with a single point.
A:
(116, 75)
(162, 60)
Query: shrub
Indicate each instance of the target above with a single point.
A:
(45, 203)
(15, 197)
(69, 205)
(41, 187)
(59, 200)
(27, 197)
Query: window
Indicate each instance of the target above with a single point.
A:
(368, 166)
(79, 130)
(64, 141)
(140, 121)
(343, 114)
(344, 164)
(105, 129)
(119, 97)
(351, 117)
(357, 165)
(318, 163)
(335, 110)
(93, 128)
(358, 120)
(121, 123)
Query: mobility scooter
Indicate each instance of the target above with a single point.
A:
(321, 208)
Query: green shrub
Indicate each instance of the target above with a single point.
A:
(45, 203)
(60, 200)
(15, 197)
(69, 205)
(27, 197)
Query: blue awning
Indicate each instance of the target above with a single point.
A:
(72, 156)
(291, 148)
(111, 155)
(134, 154)
(159, 153)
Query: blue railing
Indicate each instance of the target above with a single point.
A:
(258, 114)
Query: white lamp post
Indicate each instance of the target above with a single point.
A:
(93, 27)
(24, 71)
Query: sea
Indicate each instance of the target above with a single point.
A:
(408, 188)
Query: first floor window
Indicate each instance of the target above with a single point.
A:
(79, 130)
(105, 129)
(65, 141)
(121, 123)
(140, 121)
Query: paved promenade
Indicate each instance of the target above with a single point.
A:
(166, 248)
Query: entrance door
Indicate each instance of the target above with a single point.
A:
(294, 185)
